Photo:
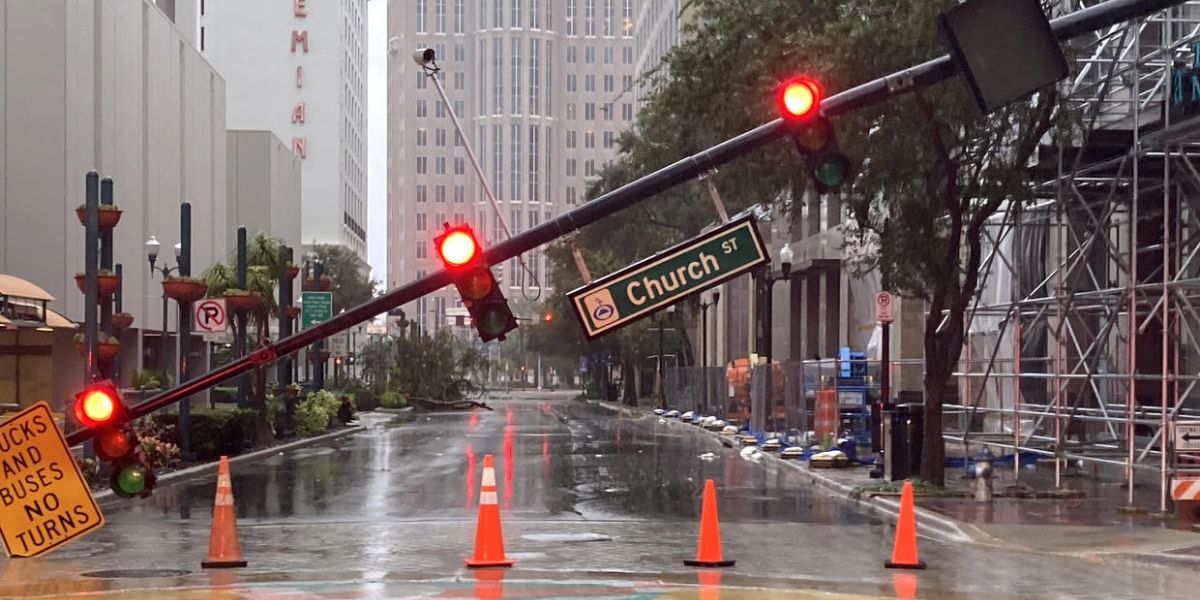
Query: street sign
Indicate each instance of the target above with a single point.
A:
(667, 277)
(209, 316)
(339, 344)
(315, 308)
(44, 500)
(883, 307)
(1187, 437)
(377, 329)
(225, 337)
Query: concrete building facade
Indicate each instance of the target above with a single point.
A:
(298, 69)
(111, 86)
(263, 187)
(543, 89)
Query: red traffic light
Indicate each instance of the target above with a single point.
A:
(548, 317)
(98, 406)
(457, 246)
(799, 98)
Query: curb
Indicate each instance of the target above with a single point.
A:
(206, 469)
(931, 522)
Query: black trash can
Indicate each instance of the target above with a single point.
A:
(908, 436)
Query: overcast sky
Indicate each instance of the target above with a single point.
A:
(377, 137)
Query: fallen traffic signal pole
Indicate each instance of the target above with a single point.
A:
(1066, 27)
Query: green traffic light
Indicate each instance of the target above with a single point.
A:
(832, 171)
(493, 322)
(129, 481)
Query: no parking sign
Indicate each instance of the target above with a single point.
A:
(210, 316)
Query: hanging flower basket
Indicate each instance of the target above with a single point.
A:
(323, 285)
(107, 348)
(122, 321)
(292, 271)
(106, 282)
(184, 289)
(293, 312)
(291, 392)
(241, 300)
(110, 215)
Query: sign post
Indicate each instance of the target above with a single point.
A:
(688, 268)
(883, 314)
(315, 308)
(45, 501)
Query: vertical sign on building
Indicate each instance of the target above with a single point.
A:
(299, 41)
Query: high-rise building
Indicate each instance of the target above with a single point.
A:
(543, 89)
(660, 29)
(298, 68)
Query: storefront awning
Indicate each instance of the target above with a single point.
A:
(15, 286)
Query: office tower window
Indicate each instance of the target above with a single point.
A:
(515, 165)
(535, 76)
(516, 75)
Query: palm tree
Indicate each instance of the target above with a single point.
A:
(264, 266)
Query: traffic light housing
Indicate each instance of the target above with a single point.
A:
(99, 408)
(461, 254)
(799, 102)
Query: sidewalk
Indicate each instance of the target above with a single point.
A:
(1087, 523)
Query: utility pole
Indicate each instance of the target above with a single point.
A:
(684, 170)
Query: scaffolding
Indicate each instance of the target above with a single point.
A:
(1084, 339)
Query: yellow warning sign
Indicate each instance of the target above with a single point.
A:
(44, 500)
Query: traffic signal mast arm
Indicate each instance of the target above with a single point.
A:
(1065, 27)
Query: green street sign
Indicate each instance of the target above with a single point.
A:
(315, 308)
(667, 277)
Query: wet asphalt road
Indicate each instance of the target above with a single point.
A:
(594, 506)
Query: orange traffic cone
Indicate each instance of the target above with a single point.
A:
(489, 538)
(223, 547)
(709, 553)
(904, 552)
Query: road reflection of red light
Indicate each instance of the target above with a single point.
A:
(508, 416)
(472, 422)
(710, 584)
(470, 476)
(508, 465)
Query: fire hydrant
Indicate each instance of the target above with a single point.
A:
(983, 476)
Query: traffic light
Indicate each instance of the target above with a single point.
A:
(461, 254)
(799, 102)
(99, 408)
(548, 317)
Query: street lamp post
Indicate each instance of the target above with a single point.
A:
(704, 306)
(152, 247)
(767, 281)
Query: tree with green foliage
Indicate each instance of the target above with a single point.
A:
(264, 268)
(933, 171)
(351, 281)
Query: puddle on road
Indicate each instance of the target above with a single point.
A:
(567, 537)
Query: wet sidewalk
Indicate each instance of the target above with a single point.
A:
(1084, 516)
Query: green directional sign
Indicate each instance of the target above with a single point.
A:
(667, 277)
(315, 308)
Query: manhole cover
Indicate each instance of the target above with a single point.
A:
(136, 573)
